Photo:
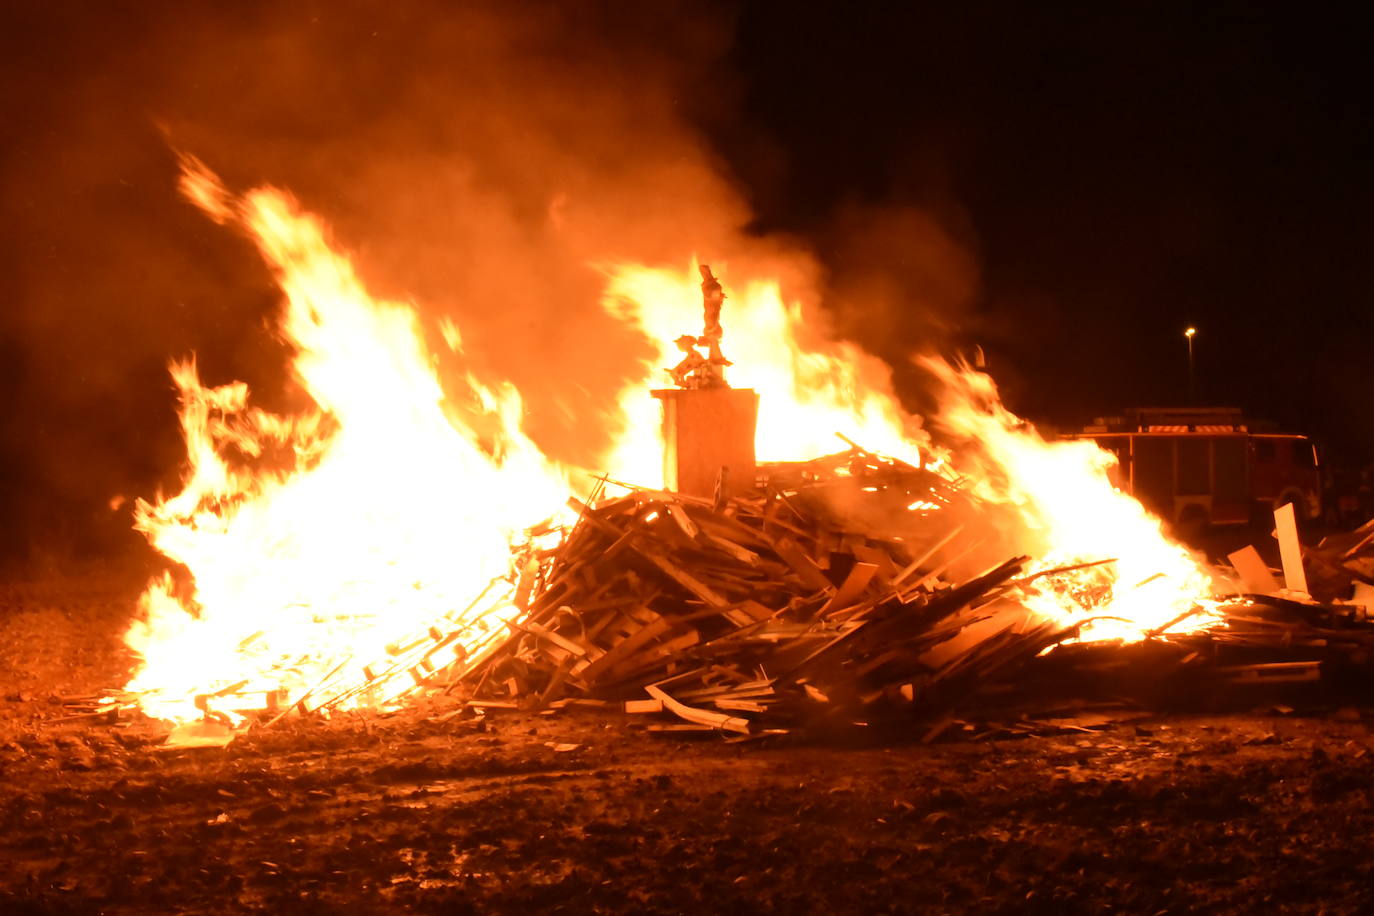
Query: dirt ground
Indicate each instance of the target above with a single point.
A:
(590, 812)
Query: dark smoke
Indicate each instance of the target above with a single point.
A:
(478, 159)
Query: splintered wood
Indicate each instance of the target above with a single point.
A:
(826, 596)
(1343, 565)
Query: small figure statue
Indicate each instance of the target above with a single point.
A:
(688, 373)
(696, 371)
(712, 298)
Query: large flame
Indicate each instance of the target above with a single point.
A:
(1068, 512)
(811, 388)
(318, 542)
(385, 512)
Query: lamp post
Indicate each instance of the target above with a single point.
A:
(1189, 334)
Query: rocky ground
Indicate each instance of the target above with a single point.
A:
(588, 812)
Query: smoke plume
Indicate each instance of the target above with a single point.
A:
(481, 160)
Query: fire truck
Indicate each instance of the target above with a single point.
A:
(1200, 466)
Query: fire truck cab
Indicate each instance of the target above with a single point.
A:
(1203, 465)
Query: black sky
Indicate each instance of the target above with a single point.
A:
(1122, 171)
(1069, 188)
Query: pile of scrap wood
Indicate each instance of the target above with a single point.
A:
(1318, 604)
(1307, 625)
(840, 590)
(1255, 641)
(1342, 565)
(825, 596)
(1314, 625)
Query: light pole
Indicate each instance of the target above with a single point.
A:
(1192, 375)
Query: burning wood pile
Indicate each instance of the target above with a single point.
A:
(824, 591)
(825, 597)
(1270, 634)
(770, 612)
(765, 611)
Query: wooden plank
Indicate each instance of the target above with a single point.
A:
(1274, 673)
(555, 683)
(681, 576)
(624, 649)
(605, 622)
(699, 716)
(869, 554)
(852, 587)
(666, 649)
(772, 519)
(544, 633)
(972, 635)
(756, 610)
(741, 554)
(1290, 549)
(589, 517)
(1364, 596)
(877, 661)
(1254, 573)
(728, 529)
(942, 568)
(680, 728)
(803, 565)
(684, 522)
(1364, 542)
(926, 557)
(738, 617)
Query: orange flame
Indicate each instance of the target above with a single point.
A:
(387, 514)
(1067, 512)
(316, 542)
(809, 392)
(1070, 513)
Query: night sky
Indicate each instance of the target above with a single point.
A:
(1120, 175)
(1070, 190)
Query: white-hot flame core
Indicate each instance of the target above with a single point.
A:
(1070, 513)
(392, 516)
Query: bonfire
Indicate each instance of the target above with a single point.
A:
(404, 536)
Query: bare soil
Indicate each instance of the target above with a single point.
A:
(589, 812)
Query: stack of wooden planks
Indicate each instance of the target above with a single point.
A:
(828, 594)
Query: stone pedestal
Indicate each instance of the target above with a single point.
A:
(704, 430)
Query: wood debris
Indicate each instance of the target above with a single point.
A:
(1342, 565)
(839, 591)
(824, 596)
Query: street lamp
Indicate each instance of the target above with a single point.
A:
(1190, 333)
